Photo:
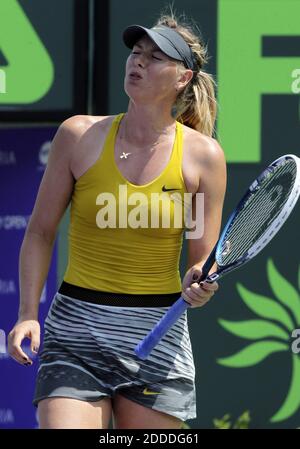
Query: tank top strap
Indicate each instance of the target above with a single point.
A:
(176, 157)
(109, 143)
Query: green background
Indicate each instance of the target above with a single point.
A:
(253, 47)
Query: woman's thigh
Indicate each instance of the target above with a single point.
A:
(130, 415)
(67, 413)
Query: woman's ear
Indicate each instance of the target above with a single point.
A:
(184, 78)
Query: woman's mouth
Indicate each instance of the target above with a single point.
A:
(135, 76)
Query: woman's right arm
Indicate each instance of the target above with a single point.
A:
(53, 197)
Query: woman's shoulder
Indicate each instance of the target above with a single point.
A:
(204, 148)
(88, 134)
(79, 124)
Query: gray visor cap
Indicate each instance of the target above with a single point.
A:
(168, 40)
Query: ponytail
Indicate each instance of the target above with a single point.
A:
(196, 105)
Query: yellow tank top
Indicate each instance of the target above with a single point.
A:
(127, 238)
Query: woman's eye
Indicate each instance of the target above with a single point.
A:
(138, 53)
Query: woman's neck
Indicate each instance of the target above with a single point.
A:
(144, 126)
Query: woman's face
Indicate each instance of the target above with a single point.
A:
(150, 74)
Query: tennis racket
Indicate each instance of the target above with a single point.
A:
(257, 218)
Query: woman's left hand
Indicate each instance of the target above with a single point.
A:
(197, 294)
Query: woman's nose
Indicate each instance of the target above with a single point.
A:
(140, 61)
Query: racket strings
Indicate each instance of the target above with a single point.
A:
(259, 211)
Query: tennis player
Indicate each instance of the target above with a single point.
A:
(122, 277)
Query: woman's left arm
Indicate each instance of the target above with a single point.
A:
(212, 184)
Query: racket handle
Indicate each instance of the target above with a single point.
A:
(143, 349)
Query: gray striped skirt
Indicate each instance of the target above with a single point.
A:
(88, 354)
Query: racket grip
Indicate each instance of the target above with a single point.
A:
(143, 349)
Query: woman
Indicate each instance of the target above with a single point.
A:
(122, 276)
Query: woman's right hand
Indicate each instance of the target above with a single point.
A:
(22, 329)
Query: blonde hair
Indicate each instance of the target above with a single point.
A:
(196, 105)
